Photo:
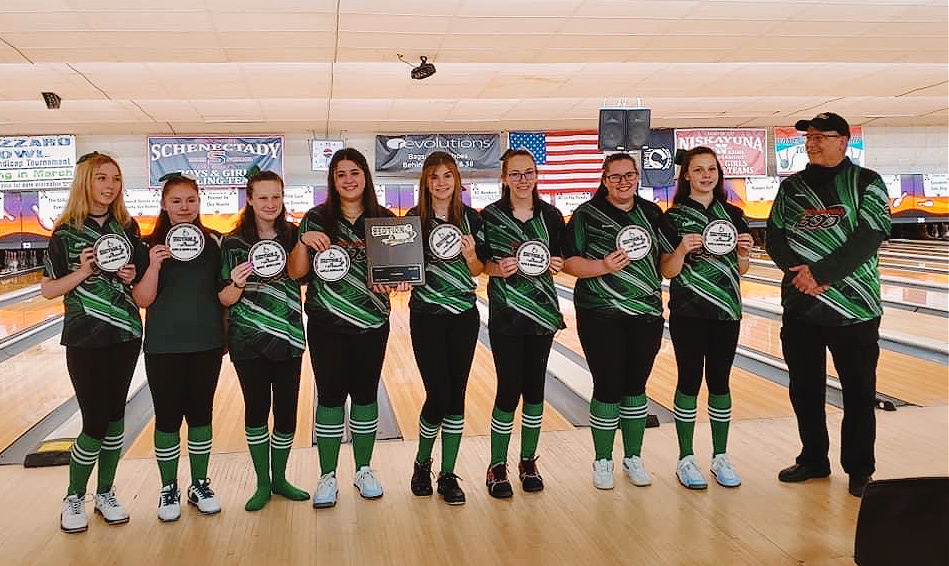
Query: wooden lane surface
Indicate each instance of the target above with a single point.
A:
(407, 393)
(21, 315)
(16, 282)
(32, 384)
(907, 273)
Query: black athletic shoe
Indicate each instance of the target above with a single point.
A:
(449, 489)
(857, 484)
(422, 478)
(801, 472)
(497, 482)
(530, 477)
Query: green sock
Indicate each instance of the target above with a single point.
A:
(167, 452)
(199, 451)
(632, 421)
(426, 439)
(684, 412)
(329, 436)
(363, 421)
(280, 444)
(258, 440)
(604, 418)
(82, 457)
(531, 417)
(502, 424)
(109, 454)
(720, 416)
(452, 427)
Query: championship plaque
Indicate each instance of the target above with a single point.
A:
(720, 237)
(111, 252)
(331, 264)
(185, 241)
(268, 258)
(635, 241)
(533, 258)
(445, 241)
(394, 250)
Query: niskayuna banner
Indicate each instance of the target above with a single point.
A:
(37, 162)
(791, 157)
(742, 152)
(213, 161)
(472, 152)
(657, 162)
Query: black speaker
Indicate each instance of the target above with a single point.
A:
(637, 127)
(612, 130)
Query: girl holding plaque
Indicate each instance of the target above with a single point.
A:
(184, 340)
(348, 322)
(522, 238)
(706, 245)
(265, 331)
(444, 320)
(94, 256)
(611, 247)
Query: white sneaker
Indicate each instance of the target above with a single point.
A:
(169, 503)
(73, 517)
(326, 491)
(636, 470)
(367, 483)
(689, 474)
(109, 507)
(724, 472)
(201, 496)
(603, 474)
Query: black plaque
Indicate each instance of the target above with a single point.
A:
(394, 250)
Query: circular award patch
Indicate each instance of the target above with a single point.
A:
(720, 237)
(268, 258)
(331, 264)
(533, 258)
(111, 252)
(185, 241)
(635, 241)
(445, 241)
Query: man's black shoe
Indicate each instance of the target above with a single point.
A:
(857, 484)
(801, 472)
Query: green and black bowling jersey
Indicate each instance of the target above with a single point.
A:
(448, 287)
(100, 311)
(832, 219)
(347, 305)
(708, 285)
(635, 290)
(267, 321)
(521, 305)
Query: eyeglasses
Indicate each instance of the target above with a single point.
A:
(516, 176)
(631, 177)
(820, 137)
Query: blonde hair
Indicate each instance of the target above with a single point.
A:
(80, 193)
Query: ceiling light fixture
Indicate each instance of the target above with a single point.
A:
(52, 100)
(424, 69)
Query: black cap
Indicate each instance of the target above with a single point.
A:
(825, 122)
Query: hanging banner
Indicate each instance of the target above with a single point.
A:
(37, 162)
(657, 159)
(790, 156)
(213, 161)
(742, 152)
(321, 151)
(483, 194)
(472, 152)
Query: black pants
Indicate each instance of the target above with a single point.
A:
(706, 344)
(521, 365)
(182, 387)
(855, 349)
(620, 352)
(101, 378)
(261, 376)
(346, 364)
(444, 347)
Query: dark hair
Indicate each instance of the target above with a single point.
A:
(609, 160)
(332, 206)
(684, 188)
(505, 188)
(425, 209)
(247, 225)
(163, 224)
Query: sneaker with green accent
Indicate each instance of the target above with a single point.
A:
(202, 497)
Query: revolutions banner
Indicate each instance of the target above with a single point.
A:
(742, 152)
(37, 162)
(213, 161)
(472, 152)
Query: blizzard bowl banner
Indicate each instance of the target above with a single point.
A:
(742, 152)
(213, 161)
(472, 152)
(37, 162)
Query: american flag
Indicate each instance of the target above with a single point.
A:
(566, 160)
